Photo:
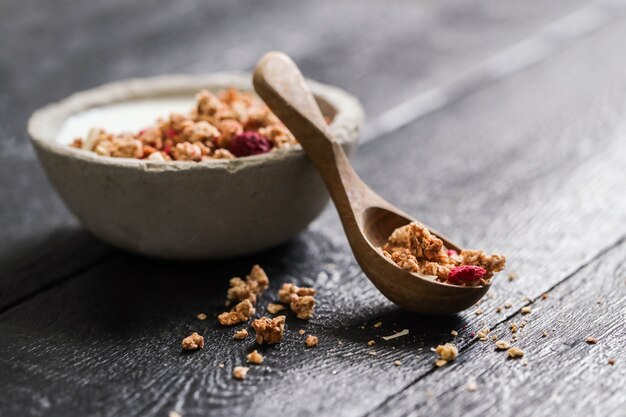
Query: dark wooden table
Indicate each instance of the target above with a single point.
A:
(501, 123)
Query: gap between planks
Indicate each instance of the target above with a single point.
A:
(543, 44)
(471, 343)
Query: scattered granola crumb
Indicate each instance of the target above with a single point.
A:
(301, 331)
(611, 361)
(502, 345)
(173, 413)
(372, 353)
(239, 314)
(201, 316)
(240, 334)
(254, 357)
(396, 335)
(478, 312)
(240, 372)
(544, 296)
(303, 306)
(311, 341)
(544, 334)
(447, 352)
(513, 327)
(591, 340)
(515, 353)
(482, 334)
(454, 333)
(274, 308)
(220, 365)
(526, 310)
(508, 304)
(397, 362)
(285, 292)
(512, 276)
(268, 330)
(498, 309)
(471, 387)
(193, 342)
(378, 324)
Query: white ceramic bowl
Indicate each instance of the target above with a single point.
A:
(177, 209)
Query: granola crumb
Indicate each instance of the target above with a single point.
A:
(274, 308)
(371, 342)
(440, 362)
(612, 361)
(378, 324)
(239, 314)
(512, 276)
(404, 332)
(478, 312)
(447, 352)
(174, 413)
(471, 387)
(372, 353)
(240, 334)
(254, 357)
(591, 340)
(454, 333)
(483, 334)
(201, 316)
(544, 334)
(303, 306)
(544, 296)
(514, 327)
(502, 345)
(526, 310)
(301, 331)
(498, 309)
(285, 292)
(397, 362)
(311, 341)
(220, 365)
(268, 330)
(193, 342)
(515, 353)
(508, 304)
(240, 372)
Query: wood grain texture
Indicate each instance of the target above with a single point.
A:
(531, 167)
(52, 49)
(560, 374)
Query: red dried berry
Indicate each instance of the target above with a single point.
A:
(452, 252)
(249, 143)
(466, 274)
(170, 133)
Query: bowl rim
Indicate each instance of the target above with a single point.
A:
(345, 125)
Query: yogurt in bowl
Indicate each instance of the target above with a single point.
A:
(182, 209)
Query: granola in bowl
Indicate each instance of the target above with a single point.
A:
(226, 125)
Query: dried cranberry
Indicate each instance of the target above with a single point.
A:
(249, 143)
(466, 274)
(452, 252)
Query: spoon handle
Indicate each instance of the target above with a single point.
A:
(281, 85)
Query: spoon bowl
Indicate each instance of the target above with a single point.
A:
(367, 218)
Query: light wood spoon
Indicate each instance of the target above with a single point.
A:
(367, 218)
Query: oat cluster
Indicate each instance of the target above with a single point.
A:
(224, 126)
(300, 299)
(244, 293)
(414, 248)
(269, 331)
(193, 342)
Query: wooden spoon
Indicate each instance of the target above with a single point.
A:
(367, 218)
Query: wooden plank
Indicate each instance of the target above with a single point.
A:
(75, 47)
(108, 341)
(560, 374)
